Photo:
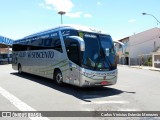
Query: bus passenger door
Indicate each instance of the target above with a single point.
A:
(73, 55)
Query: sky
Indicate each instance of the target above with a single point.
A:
(119, 18)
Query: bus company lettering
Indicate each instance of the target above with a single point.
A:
(22, 54)
(43, 54)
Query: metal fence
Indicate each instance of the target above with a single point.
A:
(142, 60)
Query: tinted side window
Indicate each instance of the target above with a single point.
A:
(19, 47)
(69, 32)
(72, 48)
(49, 41)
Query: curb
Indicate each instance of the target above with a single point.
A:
(155, 70)
(141, 68)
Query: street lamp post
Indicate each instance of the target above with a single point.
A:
(61, 13)
(152, 16)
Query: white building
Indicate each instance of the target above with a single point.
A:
(140, 46)
(123, 58)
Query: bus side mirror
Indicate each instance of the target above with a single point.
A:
(121, 44)
(80, 41)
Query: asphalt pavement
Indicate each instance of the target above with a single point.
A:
(136, 90)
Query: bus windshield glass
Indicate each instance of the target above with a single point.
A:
(99, 52)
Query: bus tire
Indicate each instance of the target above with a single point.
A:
(19, 69)
(58, 78)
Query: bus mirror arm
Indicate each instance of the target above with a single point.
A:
(122, 44)
(80, 41)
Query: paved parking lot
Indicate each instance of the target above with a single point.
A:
(136, 90)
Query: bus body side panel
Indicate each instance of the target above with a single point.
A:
(17, 59)
(14, 60)
(41, 62)
(70, 73)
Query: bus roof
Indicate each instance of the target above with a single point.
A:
(68, 26)
(64, 27)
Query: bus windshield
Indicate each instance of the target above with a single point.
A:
(95, 57)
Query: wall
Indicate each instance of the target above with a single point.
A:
(122, 57)
(4, 50)
(143, 43)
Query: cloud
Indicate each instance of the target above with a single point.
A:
(49, 7)
(132, 20)
(41, 5)
(45, 6)
(74, 15)
(87, 15)
(63, 5)
(99, 3)
(60, 5)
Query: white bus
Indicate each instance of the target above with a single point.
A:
(5, 58)
(71, 54)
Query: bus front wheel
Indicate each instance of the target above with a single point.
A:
(58, 78)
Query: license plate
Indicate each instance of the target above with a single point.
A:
(104, 83)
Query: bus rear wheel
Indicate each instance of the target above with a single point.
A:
(19, 69)
(58, 78)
